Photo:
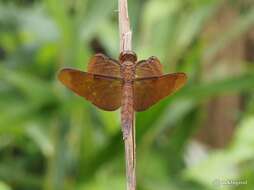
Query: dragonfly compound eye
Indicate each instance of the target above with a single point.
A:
(128, 56)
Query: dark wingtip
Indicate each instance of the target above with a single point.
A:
(184, 75)
(153, 58)
(63, 76)
(181, 80)
(100, 55)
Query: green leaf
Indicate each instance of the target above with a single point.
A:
(31, 86)
(4, 186)
(97, 14)
(223, 164)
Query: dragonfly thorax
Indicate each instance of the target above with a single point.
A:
(128, 71)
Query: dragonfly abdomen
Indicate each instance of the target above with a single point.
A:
(127, 111)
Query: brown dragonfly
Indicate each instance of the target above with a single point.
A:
(134, 85)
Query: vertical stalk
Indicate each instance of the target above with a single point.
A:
(130, 144)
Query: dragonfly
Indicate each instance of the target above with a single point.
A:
(128, 83)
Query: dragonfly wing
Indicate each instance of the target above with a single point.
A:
(149, 90)
(103, 65)
(148, 68)
(102, 91)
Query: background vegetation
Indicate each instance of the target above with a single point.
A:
(51, 139)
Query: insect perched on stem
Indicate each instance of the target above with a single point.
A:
(134, 85)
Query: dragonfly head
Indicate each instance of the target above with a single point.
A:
(128, 56)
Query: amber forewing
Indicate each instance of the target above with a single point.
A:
(148, 68)
(103, 65)
(102, 91)
(148, 91)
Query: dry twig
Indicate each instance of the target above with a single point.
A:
(130, 146)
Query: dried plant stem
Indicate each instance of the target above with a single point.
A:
(130, 144)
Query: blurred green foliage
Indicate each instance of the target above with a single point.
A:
(51, 139)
